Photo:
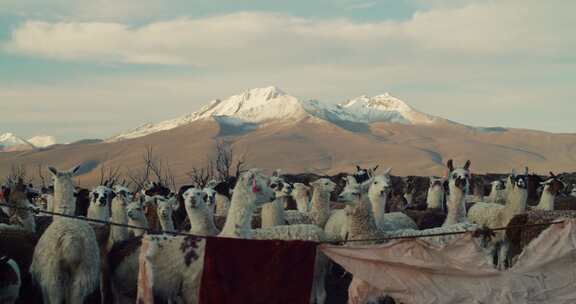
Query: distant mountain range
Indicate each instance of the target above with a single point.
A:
(10, 142)
(273, 130)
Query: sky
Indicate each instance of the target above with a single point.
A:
(94, 68)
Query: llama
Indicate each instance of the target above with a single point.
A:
(66, 263)
(552, 187)
(496, 216)
(301, 195)
(10, 280)
(497, 193)
(435, 197)
(20, 219)
(165, 208)
(458, 183)
(222, 199)
(136, 218)
(100, 200)
(120, 216)
(272, 214)
(199, 213)
(573, 192)
(320, 205)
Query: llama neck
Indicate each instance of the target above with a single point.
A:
(273, 213)
(166, 223)
(201, 220)
(222, 204)
(378, 203)
(546, 200)
(302, 202)
(239, 220)
(64, 200)
(119, 215)
(516, 202)
(98, 212)
(435, 198)
(320, 209)
(141, 221)
(360, 220)
(456, 207)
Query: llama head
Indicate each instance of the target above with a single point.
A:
(135, 210)
(458, 178)
(325, 184)
(573, 191)
(256, 187)
(63, 175)
(363, 175)
(210, 195)
(437, 182)
(517, 182)
(553, 184)
(166, 207)
(64, 190)
(497, 185)
(194, 198)
(301, 190)
(353, 190)
(101, 196)
(280, 187)
(381, 186)
(125, 192)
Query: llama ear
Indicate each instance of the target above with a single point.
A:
(74, 170)
(450, 165)
(467, 165)
(53, 170)
(358, 168)
(387, 171)
(552, 174)
(375, 168)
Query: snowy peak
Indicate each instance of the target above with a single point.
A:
(385, 108)
(42, 141)
(270, 104)
(10, 142)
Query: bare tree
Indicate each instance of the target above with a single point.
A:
(109, 175)
(225, 161)
(17, 172)
(153, 169)
(201, 176)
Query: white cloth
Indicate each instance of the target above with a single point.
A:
(417, 271)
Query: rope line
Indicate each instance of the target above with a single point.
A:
(482, 231)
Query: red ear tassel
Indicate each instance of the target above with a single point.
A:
(446, 174)
(255, 188)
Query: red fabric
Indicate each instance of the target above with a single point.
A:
(257, 271)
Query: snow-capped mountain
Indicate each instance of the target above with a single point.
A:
(10, 142)
(42, 141)
(270, 104)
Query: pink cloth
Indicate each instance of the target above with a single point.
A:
(417, 271)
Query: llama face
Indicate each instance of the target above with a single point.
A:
(166, 206)
(381, 186)
(573, 192)
(324, 185)
(194, 198)
(280, 187)
(210, 196)
(123, 191)
(497, 185)
(350, 193)
(257, 187)
(101, 196)
(553, 185)
(436, 182)
(459, 178)
(519, 182)
(135, 210)
(300, 190)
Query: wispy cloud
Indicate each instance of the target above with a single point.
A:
(363, 5)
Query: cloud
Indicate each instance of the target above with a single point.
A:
(258, 38)
(363, 5)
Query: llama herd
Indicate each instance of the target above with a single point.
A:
(67, 259)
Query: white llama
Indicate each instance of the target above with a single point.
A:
(435, 196)
(136, 218)
(66, 260)
(199, 213)
(100, 200)
(497, 216)
(497, 193)
(165, 208)
(301, 195)
(552, 187)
